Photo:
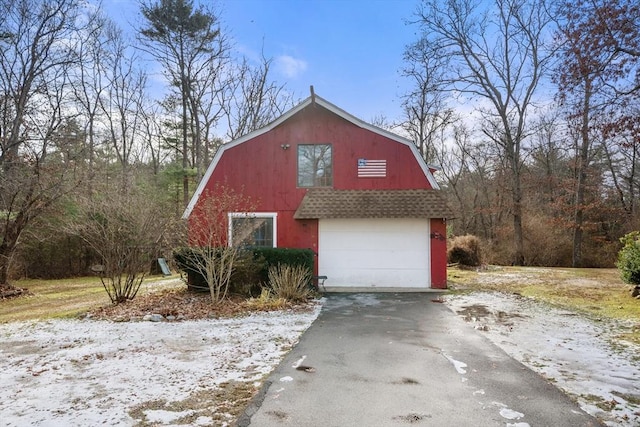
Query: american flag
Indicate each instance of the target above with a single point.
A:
(372, 168)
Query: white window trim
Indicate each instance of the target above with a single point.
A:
(273, 215)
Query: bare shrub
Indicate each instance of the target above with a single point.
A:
(266, 301)
(290, 282)
(600, 253)
(124, 229)
(465, 250)
(547, 243)
(210, 254)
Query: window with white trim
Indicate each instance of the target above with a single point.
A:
(253, 229)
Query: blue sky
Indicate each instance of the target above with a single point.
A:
(349, 50)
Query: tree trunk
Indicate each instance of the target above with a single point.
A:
(185, 154)
(518, 256)
(4, 266)
(582, 164)
(12, 230)
(512, 151)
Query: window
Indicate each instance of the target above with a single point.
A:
(315, 166)
(252, 229)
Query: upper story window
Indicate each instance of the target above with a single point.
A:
(315, 165)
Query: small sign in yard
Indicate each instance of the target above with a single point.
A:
(164, 267)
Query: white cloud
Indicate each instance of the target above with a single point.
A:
(290, 66)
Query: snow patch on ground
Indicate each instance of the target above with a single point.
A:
(461, 367)
(576, 353)
(84, 372)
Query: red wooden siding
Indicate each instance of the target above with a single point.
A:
(267, 170)
(438, 253)
(264, 169)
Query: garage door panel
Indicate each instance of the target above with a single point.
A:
(395, 260)
(374, 252)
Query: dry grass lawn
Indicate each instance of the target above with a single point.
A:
(48, 299)
(594, 292)
(597, 292)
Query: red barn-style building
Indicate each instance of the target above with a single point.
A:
(360, 197)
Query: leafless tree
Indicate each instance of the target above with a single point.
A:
(123, 97)
(252, 100)
(90, 77)
(126, 230)
(495, 56)
(211, 78)
(549, 156)
(426, 115)
(151, 133)
(211, 252)
(453, 159)
(622, 156)
(38, 47)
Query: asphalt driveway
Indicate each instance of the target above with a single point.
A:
(404, 359)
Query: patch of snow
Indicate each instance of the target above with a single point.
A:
(286, 379)
(460, 366)
(575, 352)
(522, 277)
(510, 414)
(87, 372)
(299, 362)
(203, 421)
(163, 417)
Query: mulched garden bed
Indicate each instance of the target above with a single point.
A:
(182, 304)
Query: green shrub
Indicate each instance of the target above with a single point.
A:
(283, 256)
(629, 258)
(247, 278)
(290, 282)
(465, 250)
(195, 280)
(250, 271)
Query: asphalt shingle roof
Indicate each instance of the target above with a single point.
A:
(330, 203)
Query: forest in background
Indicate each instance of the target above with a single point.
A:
(540, 164)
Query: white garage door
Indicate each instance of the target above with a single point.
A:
(379, 253)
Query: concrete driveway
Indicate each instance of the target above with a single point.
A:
(403, 359)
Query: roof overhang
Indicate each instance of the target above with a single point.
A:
(330, 203)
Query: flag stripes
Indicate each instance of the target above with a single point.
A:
(372, 168)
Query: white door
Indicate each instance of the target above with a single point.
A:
(376, 253)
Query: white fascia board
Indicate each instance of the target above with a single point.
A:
(203, 183)
(224, 147)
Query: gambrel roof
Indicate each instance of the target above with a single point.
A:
(312, 100)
